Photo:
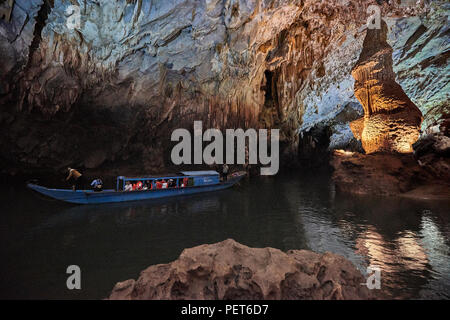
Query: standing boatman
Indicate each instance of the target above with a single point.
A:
(225, 172)
(77, 179)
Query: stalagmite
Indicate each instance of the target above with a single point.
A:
(391, 120)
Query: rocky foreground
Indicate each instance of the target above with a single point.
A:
(230, 270)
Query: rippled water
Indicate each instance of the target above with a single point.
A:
(409, 240)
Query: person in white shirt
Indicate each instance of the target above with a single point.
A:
(128, 186)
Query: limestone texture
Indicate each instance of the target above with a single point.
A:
(391, 120)
(107, 94)
(231, 271)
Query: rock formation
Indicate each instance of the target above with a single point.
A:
(115, 87)
(433, 154)
(378, 174)
(392, 175)
(421, 50)
(229, 270)
(391, 120)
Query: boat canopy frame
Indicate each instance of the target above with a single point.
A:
(198, 178)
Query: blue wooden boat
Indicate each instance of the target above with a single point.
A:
(187, 183)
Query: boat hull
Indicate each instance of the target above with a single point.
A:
(110, 196)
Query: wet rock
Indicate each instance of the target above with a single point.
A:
(229, 270)
(431, 192)
(385, 175)
(432, 152)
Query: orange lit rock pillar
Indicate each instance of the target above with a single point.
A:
(391, 121)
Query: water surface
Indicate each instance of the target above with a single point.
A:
(408, 239)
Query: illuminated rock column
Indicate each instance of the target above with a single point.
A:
(391, 121)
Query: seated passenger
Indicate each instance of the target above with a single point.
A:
(158, 184)
(185, 182)
(138, 185)
(128, 186)
(164, 184)
(97, 185)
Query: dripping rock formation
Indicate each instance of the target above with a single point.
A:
(391, 120)
(391, 126)
(106, 95)
(229, 270)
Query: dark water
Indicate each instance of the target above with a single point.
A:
(409, 240)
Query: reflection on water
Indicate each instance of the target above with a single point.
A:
(408, 240)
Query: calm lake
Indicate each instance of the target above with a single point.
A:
(409, 240)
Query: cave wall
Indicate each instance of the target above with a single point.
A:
(421, 47)
(112, 90)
